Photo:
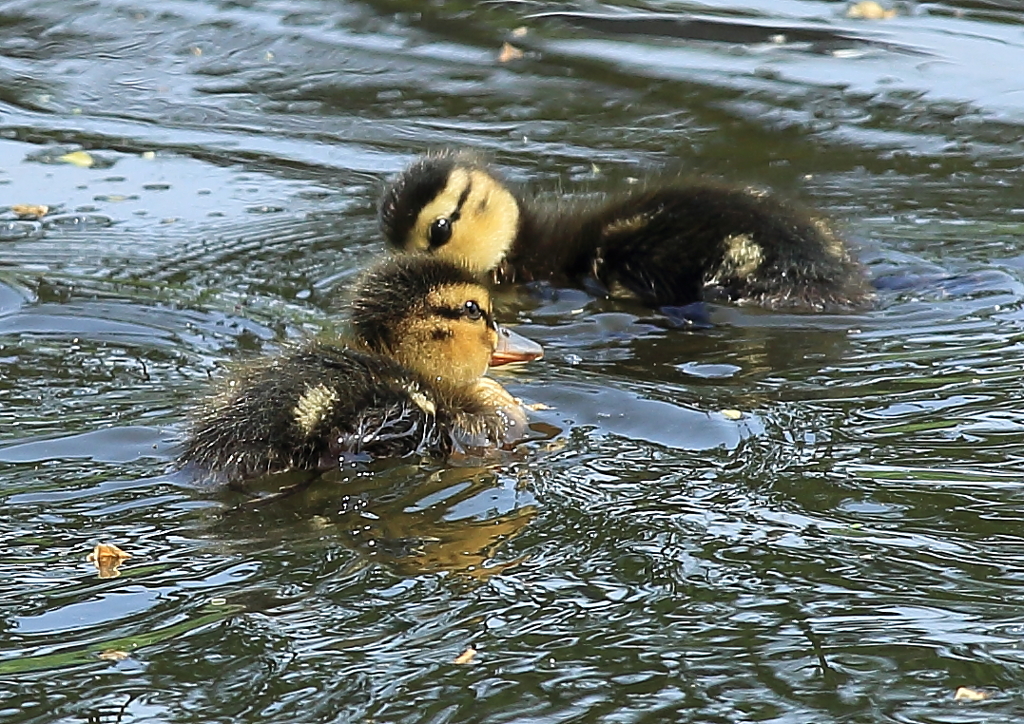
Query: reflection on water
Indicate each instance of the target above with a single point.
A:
(782, 518)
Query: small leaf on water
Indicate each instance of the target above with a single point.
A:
(965, 694)
(509, 53)
(869, 10)
(113, 655)
(82, 159)
(466, 656)
(732, 414)
(30, 211)
(107, 557)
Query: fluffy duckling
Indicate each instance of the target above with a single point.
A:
(667, 246)
(409, 381)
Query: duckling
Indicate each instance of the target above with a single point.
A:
(410, 380)
(667, 246)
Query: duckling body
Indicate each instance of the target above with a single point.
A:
(409, 381)
(666, 246)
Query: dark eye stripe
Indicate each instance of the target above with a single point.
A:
(447, 312)
(460, 313)
(461, 202)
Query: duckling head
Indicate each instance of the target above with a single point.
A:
(434, 317)
(449, 204)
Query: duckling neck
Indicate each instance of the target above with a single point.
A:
(554, 241)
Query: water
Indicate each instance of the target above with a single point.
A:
(848, 550)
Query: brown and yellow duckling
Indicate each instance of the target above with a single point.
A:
(410, 380)
(664, 245)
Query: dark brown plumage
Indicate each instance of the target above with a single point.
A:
(665, 245)
(409, 381)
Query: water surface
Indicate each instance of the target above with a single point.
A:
(848, 550)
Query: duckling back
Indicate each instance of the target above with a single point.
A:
(681, 244)
(310, 408)
(664, 245)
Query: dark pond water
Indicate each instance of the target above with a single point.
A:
(849, 550)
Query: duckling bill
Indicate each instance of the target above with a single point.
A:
(410, 380)
(664, 245)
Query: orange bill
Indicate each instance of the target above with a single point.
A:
(514, 347)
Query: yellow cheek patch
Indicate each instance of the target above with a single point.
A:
(486, 225)
(441, 206)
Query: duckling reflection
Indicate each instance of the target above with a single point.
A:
(664, 245)
(410, 380)
(447, 523)
(408, 517)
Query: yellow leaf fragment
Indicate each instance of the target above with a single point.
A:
(537, 406)
(82, 159)
(869, 10)
(466, 656)
(965, 694)
(509, 53)
(732, 414)
(519, 32)
(30, 211)
(107, 557)
(113, 655)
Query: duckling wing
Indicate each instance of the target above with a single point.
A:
(673, 246)
(647, 247)
(308, 409)
(396, 428)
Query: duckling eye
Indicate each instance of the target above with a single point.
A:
(472, 310)
(440, 232)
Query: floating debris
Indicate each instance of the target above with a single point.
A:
(107, 557)
(870, 10)
(30, 211)
(466, 656)
(732, 414)
(113, 655)
(72, 155)
(115, 198)
(82, 159)
(964, 693)
(509, 53)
